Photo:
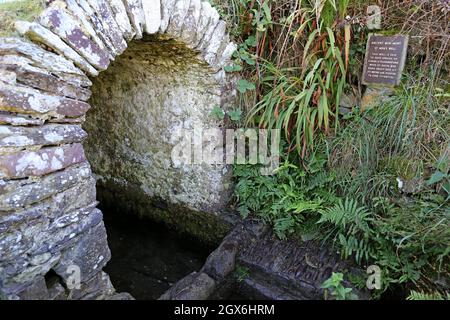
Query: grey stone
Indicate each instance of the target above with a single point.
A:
(211, 50)
(209, 30)
(90, 253)
(99, 287)
(176, 21)
(30, 272)
(221, 262)
(282, 269)
(7, 76)
(166, 12)
(37, 57)
(195, 286)
(37, 290)
(39, 34)
(121, 17)
(373, 21)
(110, 27)
(15, 119)
(200, 288)
(152, 14)
(224, 57)
(21, 99)
(206, 12)
(121, 296)
(91, 24)
(189, 30)
(16, 138)
(262, 290)
(16, 194)
(31, 234)
(136, 16)
(37, 163)
(65, 232)
(80, 195)
(59, 21)
(57, 292)
(347, 102)
(26, 74)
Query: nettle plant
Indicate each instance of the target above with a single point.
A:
(335, 287)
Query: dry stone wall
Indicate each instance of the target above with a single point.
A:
(49, 223)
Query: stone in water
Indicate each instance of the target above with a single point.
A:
(385, 59)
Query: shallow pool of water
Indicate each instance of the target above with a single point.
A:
(147, 258)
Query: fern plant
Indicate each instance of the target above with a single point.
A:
(350, 228)
(416, 295)
(289, 199)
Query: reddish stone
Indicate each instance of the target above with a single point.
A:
(38, 163)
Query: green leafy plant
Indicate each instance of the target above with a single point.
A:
(218, 113)
(350, 227)
(241, 273)
(415, 295)
(235, 115)
(334, 286)
(286, 198)
(233, 68)
(301, 57)
(307, 102)
(243, 86)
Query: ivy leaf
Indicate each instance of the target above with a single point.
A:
(436, 177)
(218, 113)
(244, 85)
(235, 115)
(233, 68)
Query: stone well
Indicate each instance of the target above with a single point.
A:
(93, 92)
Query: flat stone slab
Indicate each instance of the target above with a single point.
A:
(16, 194)
(38, 163)
(21, 99)
(68, 29)
(50, 134)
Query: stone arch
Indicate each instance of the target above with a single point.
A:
(48, 214)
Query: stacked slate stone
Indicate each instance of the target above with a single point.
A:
(49, 223)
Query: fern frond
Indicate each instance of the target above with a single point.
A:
(416, 295)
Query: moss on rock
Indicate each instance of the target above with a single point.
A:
(12, 11)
